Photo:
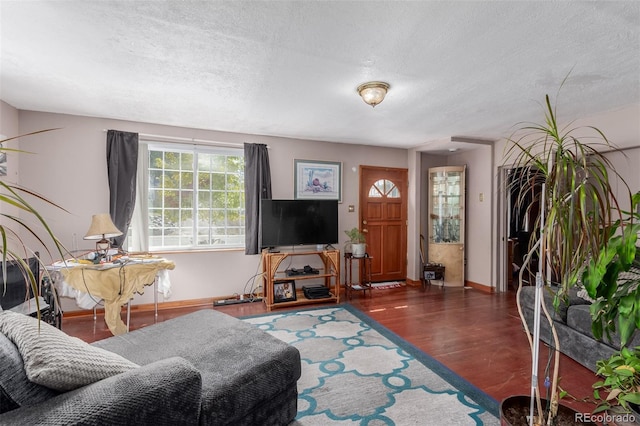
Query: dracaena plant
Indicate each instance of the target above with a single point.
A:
(13, 227)
(577, 201)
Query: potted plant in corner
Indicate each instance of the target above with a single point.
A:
(576, 202)
(357, 242)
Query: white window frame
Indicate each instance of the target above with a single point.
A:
(139, 235)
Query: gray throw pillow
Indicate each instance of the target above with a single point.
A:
(54, 359)
(16, 389)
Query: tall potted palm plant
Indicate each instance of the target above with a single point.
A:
(577, 202)
(14, 226)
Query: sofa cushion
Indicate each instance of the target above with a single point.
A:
(55, 360)
(579, 318)
(571, 299)
(15, 389)
(244, 369)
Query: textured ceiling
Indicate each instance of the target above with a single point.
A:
(291, 68)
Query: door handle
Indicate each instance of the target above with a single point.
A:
(365, 230)
(364, 222)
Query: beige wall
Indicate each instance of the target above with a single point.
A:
(478, 233)
(9, 128)
(626, 163)
(69, 167)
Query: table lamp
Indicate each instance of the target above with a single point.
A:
(101, 229)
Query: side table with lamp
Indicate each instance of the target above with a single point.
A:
(113, 282)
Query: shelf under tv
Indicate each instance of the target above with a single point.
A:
(330, 274)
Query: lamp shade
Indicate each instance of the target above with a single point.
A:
(102, 227)
(373, 92)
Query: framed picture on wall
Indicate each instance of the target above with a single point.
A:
(317, 180)
(3, 158)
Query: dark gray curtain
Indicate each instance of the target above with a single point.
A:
(122, 167)
(257, 186)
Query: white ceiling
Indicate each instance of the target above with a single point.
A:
(291, 68)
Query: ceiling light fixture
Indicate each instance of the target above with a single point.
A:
(373, 92)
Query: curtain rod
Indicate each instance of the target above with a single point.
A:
(189, 141)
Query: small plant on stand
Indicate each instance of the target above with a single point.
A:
(356, 242)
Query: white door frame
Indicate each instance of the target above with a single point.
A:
(503, 229)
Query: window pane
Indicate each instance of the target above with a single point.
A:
(218, 163)
(172, 180)
(171, 199)
(172, 160)
(204, 199)
(234, 182)
(173, 196)
(186, 199)
(186, 180)
(219, 199)
(235, 165)
(156, 159)
(186, 161)
(204, 181)
(218, 181)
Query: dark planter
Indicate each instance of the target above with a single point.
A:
(515, 409)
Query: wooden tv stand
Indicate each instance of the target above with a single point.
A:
(331, 275)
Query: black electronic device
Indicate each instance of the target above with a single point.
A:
(293, 271)
(316, 292)
(307, 270)
(298, 222)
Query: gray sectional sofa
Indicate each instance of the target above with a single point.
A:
(204, 368)
(573, 325)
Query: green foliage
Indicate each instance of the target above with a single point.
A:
(621, 380)
(616, 299)
(355, 236)
(577, 198)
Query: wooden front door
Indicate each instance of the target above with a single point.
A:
(383, 219)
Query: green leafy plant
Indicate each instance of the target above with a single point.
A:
(12, 226)
(621, 374)
(617, 298)
(355, 236)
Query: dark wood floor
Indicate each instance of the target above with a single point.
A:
(476, 334)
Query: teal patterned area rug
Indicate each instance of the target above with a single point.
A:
(357, 372)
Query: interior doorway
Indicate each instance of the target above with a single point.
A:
(520, 209)
(383, 219)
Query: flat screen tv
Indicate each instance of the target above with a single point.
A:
(14, 290)
(299, 222)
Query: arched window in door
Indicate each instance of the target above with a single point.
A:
(384, 188)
